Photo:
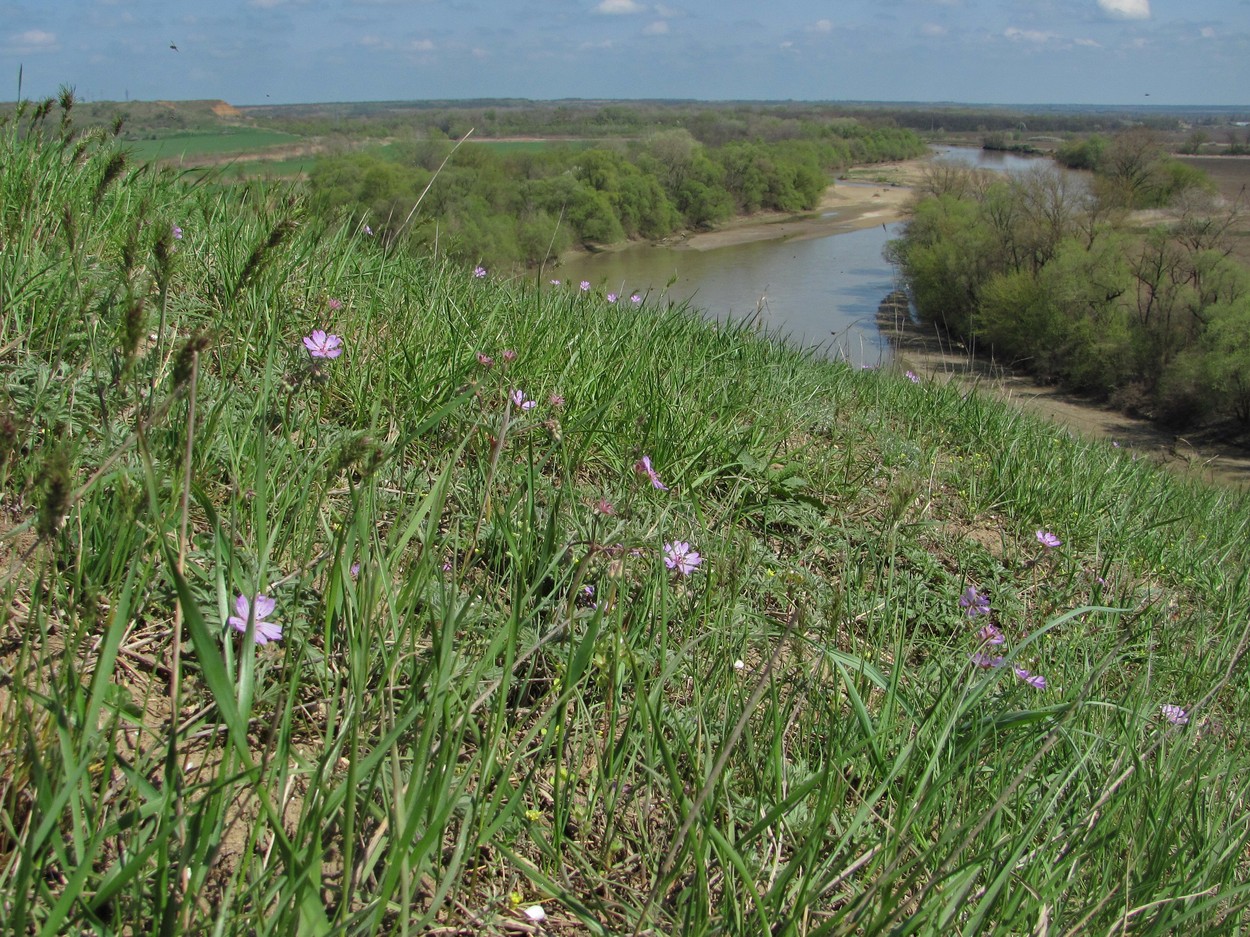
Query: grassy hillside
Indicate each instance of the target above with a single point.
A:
(353, 593)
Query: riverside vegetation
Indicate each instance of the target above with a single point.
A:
(349, 592)
(1073, 285)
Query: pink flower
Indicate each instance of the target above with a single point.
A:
(635, 299)
(479, 272)
(336, 304)
(556, 400)
(555, 282)
(1047, 539)
(988, 634)
(485, 361)
(518, 398)
(321, 345)
(679, 556)
(176, 232)
(643, 467)
(508, 356)
(604, 506)
(911, 376)
(584, 286)
(265, 631)
(1034, 680)
(1174, 714)
(611, 297)
(987, 661)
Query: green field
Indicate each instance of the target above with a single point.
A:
(193, 145)
(347, 591)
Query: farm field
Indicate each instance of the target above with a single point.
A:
(190, 146)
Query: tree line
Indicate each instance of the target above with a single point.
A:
(518, 207)
(1049, 275)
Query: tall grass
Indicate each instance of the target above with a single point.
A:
(491, 693)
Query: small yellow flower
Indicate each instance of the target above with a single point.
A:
(533, 815)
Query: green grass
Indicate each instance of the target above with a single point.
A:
(192, 145)
(792, 739)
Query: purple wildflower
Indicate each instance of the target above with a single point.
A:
(911, 376)
(636, 298)
(1037, 681)
(643, 467)
(974, 602)
(479, 272)
(584, 286)
(368, 231)
(604, 506)
(611, 297)
(321, 345)
(355, 570)
(336, 304)
(485, 361)
(265, 631)
(1174, 714)
(508, 356)
(1047, 539)
(556, 400)
(176, 232)
(555, 282)
(679, 556)
(518, 397)
(988, 634)
(987, 661)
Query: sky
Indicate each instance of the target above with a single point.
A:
(297, 51)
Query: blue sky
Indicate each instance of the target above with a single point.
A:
(287, 51)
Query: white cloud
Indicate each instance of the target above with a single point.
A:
(35, 40)
(1208, 32)
(932, 30)
(1127, 9)
(658, 28)
(421, 45)
(265, 4)
(823, 26)
(618, 7)
(1088, 43)
(667, 12)
(1027, 35)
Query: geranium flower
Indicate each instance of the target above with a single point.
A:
(321, 345)
(636, 299)
(974, 602)
(265, 631)
(518, 398)
(990, 635)
(611, 297)
(1037, 681)
(1047, 539)
(584, 286)
(643, 467)
(679, 556)
(479, 272)
(1174, 714)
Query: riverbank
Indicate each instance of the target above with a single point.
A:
(864, 200)
(931, 356)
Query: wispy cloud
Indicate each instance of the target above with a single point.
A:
(823, 26)
(1126, 9)
(35, 40)
(658, 28)
(933, 30)
(1028, 35)
(619, 7)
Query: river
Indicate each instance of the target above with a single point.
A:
(821, 292)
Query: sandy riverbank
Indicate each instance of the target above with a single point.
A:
(848, 205)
